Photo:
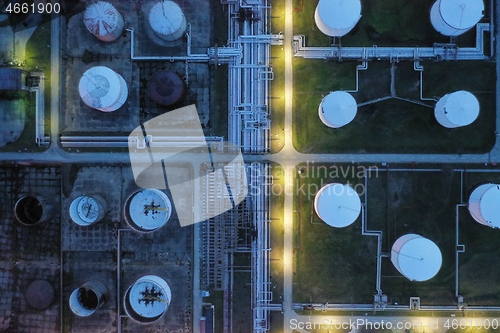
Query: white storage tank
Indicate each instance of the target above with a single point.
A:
(484, 204)
(147, 299)
(85, 300)
(86, 210)
(103, 89)
(457, 109)
(103, 21)
(455, 17)
(337, 109)
(416, 258)
(337, 18)
(338, 205)
(167, 20)
(148, 210)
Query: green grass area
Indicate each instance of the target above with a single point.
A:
(327, 261)
(24, 102)
(277, 242)
(421, 203)
(277, 87)
(38, 59)
(382, 23)
(330, 264)
(277, 102)
(219, 111)
(392, 126)
(303, 23)
(278, 16)
(216, 298)
(480, 263)
(219, 106)
(242, 294)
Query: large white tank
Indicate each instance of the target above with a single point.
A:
(484, 205)
(337, 109)
(337, 18)
(103, 89)
(455, 17)
(148, 210)
(338, 205)
(103, 21)
(167, 20)
(415, 257)
(148, 299)
(457, 109)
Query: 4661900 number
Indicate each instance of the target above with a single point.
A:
(471, 323)
(32, 8)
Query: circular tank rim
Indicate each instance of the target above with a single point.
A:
(179, 91)
(97, 15)
(417, 258)
(451, 12)
(114, 98)
(44, 299)
(163, 27)
(75, 205)
(337, 109)
(79, 310)
(129, 308)
(457, 109)
(485, 213)
(46, 210)
(134, 225)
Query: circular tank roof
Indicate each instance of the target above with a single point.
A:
(460, 108)
(149, 298)
(337, 109)
(166, 88)
(338, 16)
(101, 18)
(85, 210)
(489, 204)
(166, 18)
(40, 294)
(100, 87)
(338, 205)
(461, 14)
(418, 258)
(149, 209)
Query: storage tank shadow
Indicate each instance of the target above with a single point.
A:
(205, 177)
